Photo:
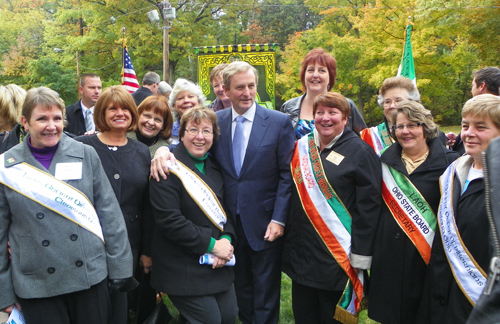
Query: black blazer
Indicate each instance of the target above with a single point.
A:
(140, 94)
(127, 170)
(183, 233)
(76, 122)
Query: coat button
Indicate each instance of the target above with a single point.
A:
(45, 242)
(442, 302)
(79, 263)
(51, 270)
(397, 235)
(73, 237)
(40, 215)
(116, 176)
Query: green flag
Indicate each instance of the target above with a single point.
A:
(406, 67)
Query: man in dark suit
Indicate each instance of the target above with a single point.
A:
(150, 85)
(257, 189)
(257, 196)
(90, 88)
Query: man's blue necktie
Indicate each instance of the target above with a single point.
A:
(238, 140)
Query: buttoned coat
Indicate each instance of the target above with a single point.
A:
(183, 233)
(52, 255)
(75, 119)
(127, 170)
(398, 270)
(264, 185)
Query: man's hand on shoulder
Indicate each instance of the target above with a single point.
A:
(159, 163)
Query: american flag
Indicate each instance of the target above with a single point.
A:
(129, 79)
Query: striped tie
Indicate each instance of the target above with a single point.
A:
(88, 120)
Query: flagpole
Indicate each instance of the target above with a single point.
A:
(123, 53)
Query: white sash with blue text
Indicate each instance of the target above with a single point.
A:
(468, 274)
(51, 193)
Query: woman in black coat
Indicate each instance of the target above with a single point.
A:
(455, 280)
(319, 270)
(184, 231)
(126, 164)
(398, 269)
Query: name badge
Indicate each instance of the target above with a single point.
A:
(69, 171)
(335, 157)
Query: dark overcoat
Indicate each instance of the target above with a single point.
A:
(357, 182)
(398, 269)
(183, 233)
(443, 302)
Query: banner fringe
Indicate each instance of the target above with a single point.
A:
(345, 316)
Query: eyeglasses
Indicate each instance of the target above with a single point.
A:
(410, 126)
(389, 102)
(194, 131)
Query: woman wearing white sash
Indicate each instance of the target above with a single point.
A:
(352, 169)
(67, 235)
(398, 270)
(457, 275)
(184, 230)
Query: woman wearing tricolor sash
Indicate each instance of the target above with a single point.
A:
(333, 217)
(393, 91)
(461, 251)
(189, 223)
(411, 168)
(68, 239)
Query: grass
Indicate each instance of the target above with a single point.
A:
(447, 129)
(286, 313)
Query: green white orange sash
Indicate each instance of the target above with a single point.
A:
(468, 274)
(410, 210)
(330, 218)
(201, 193)
(377, 137)
(52, 193)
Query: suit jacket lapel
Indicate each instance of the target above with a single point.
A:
(259, 129)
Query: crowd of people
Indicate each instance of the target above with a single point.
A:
(108, 202)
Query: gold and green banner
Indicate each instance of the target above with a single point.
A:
(260, 56)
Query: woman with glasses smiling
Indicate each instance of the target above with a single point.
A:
(190, 223)
(393, 91)
(410, 170)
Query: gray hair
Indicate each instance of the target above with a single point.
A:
(150, 78)
(184, 85)
(235, 68)
(398, 82)
(164, 87)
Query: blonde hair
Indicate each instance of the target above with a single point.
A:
(484, 106)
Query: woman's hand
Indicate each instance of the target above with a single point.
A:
(159, 163)
(9, 309)
(223, 249)
(147, 263)
(218, 263)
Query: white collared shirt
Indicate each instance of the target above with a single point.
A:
(84, 112)
(247, 124)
